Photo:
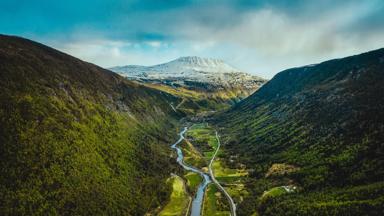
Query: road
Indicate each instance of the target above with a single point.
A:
(198, 199)
(232, 204)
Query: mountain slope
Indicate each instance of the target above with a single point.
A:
(204, 83)
(319, 128)
(78, 139)
(193, 69)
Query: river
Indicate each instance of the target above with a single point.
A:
(198, 199)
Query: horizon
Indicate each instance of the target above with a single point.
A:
(316, 63)
(257, 37)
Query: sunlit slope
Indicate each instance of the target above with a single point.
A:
(78, 139)
(319, 129)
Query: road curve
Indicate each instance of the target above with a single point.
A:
(232, 204)
(198, 199)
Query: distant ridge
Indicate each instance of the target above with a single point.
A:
(192, 68)
(204, 84)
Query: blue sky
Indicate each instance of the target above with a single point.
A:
(261, 37)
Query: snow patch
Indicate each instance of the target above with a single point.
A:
(191, 68)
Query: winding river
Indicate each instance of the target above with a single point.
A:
(198, 199)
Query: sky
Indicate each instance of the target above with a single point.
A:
(261, 37)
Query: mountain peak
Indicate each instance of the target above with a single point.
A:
(195, 63)
(191, 68)
(195, 60)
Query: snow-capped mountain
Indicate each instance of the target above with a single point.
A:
(192, 69)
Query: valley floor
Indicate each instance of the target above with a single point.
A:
(180, 199)
(201, 150)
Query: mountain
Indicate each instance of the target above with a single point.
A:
(316, 130)
(206, 84)
(193, 69)
(76, 139)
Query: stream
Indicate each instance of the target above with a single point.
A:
(198, 199)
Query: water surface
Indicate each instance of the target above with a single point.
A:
(198, 199)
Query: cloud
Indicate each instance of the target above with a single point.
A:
(108, 53)
(262, 37)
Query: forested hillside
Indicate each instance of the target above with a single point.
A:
(317, 130)
(76, 139)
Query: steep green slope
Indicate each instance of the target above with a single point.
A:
(318, 128)
(76, 139)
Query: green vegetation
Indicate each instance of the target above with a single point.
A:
(273, 192)
(236, 189)
(231, 178)
(281, 169)
(193, 181)
(357, 200)
(226, 172)
(180, 200)
(76, 139)
(203, 138)
(191, 155)
(202, 98)
(323, 125)
(215, 202)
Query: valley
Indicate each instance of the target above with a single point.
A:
(192, 108)
(277, 160)
(193, 136)
(205, 195)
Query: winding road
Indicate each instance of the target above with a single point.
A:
(232, 204)
(198, 200)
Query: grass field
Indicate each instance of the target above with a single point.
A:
(203, 137)
(276, 191)
(200, 145)
(215, 202)
(221, 171)
(179, 202)
(231, 179)
(237, 191)
(191, 155)
(193, 181)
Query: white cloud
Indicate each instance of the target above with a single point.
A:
(262, 41)
(108, 53)
(155, 44)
